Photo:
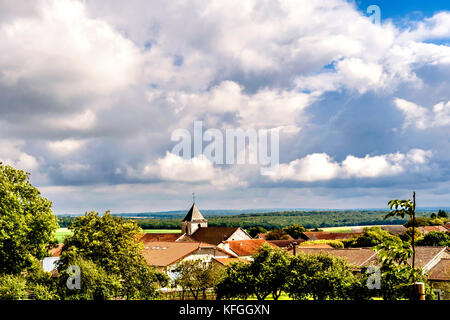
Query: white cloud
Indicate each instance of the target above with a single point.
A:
(321, 167)
(63, 52)
(198, 169)
(65, 147)
(11, 154)
(422, 118)
(251, 110)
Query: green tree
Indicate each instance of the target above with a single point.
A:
(13, 287)
(402, 208)
(371, 237)
(234, 284)
(27, 223)
(95, 282)
(407, 236)
(40, 284)
(112, 244)
(196, 276)
(266, 274)
(295, 230)
(435, 238)
(277, 234)
(320, 276)
(442, 214)
(254, 231)
(397, 275)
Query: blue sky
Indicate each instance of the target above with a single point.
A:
(95, 90)
(400, 9)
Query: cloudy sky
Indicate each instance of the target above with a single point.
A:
(91, 91)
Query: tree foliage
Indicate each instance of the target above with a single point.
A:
(435, 238)
(196, 276)
(295, 230)
(277, 234)
(371, 237)
(320, 277)
(27, 223)
(266, 274)
(111, 244)
(397, 275)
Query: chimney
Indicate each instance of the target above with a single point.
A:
(294, 248)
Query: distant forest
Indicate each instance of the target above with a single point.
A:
(271, 220)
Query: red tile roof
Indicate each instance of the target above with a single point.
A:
(56, 252)
(427, 229)
(247, 247)
(152, 237)
(228, 261)
(285, 243)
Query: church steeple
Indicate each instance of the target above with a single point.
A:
(193, 219)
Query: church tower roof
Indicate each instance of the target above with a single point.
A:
(194, 214)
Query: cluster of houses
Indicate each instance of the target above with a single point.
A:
(224, 245)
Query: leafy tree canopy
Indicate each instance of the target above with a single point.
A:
(112, 244)
(27, 223)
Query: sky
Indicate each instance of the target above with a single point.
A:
(91, 93)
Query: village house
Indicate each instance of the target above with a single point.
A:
(165, 255)
(244, 249)
(424, 230)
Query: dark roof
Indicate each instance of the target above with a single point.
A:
(213, 235)
(394, 229)
(152, 237)
(441, 271)
(194, 214)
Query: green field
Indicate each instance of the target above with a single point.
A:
(162, 231)
(62, 233)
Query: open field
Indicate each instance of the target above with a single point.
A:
(62, 233)
(162, 231)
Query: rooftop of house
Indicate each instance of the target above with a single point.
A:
(285, 243)
(441, 271)
(212, 235)
(227, 261)
(163, 254)
(152, 237)
(56, 252)
(245, 248)
(394, 229)
(427, 229)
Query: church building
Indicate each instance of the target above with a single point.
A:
(194, 228)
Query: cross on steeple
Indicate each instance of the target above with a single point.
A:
(193, 197)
